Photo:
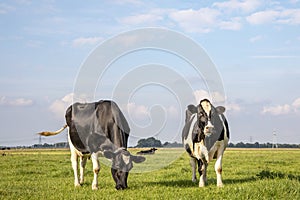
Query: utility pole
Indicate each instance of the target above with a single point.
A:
(40, 140)
(274, 140)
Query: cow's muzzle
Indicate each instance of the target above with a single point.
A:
(209, 129)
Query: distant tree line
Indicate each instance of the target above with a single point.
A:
(56, 145)
(152, 142)
(263, 145)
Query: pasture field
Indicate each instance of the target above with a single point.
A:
(247, 174)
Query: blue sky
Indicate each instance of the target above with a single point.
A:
(255, 46)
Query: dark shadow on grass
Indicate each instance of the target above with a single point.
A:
(174, 183)
(189, 183)
(239, 180)
(267, 174)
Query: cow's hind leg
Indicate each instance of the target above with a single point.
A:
(193, 165)
(74, 160)
(96, 169)
(82, 168)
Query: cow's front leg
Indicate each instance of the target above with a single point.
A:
(82, 168)
(96, 169)
(74, 160)
(202, 166)
(193, 165)
(218, 169)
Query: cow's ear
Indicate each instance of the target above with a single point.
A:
(109, 154)
(220, 109)
(138, 159)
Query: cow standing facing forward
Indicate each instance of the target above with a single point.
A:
(205, 136)
(94, 129)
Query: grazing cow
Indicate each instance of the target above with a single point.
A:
(150, 151)
(94, 129)
(205, 136)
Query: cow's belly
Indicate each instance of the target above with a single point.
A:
(78, 152)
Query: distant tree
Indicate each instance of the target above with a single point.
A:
(231, 144)
(240, 145)
(166, 144)
(256, 145)
(172, 145)
(149, 142)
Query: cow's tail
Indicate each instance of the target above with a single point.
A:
(47, 133)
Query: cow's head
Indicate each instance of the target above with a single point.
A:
(122, 163)
(208, 117)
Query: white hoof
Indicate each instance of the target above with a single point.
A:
(220, 185)
(201, 184)
(94, 187)
(77, 185)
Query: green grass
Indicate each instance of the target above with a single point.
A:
(247, 174)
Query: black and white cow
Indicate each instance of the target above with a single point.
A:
(205, 136)
(95, 129)
(149, 151)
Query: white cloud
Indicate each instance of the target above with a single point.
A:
(244, 5)
(233, 24)
(3, 100)
(86, 41)
(153, 17)
(15, 102)
(200, 21)
(21, 102)
(233, 107)
(283, 109)
(296, 103)
(287, 16)
(58, 107)
(137, 111)
(263, 17)
(290, 16)
(277, 110)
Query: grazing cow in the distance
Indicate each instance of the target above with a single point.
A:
(205, 136)
(144, 152)
(94, 129)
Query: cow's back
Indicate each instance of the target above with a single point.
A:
(91, 124)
